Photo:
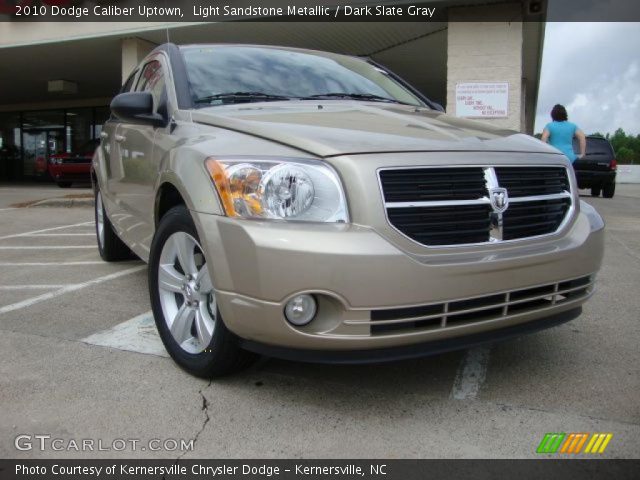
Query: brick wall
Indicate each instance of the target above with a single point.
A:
(487, 52)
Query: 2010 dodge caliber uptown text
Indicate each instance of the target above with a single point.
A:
(314, 206)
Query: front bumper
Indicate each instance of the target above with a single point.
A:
(355, 273)
(405, 352)
(80, 172)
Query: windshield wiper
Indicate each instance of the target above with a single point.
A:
(355, 96)
(241, 97)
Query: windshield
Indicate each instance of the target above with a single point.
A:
(219, 73)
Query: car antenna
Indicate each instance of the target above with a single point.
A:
(173, 123)
(168, 39)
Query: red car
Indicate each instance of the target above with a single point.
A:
(67, 168)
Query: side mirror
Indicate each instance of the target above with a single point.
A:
(137, 107)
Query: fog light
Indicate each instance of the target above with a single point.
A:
(300, 310)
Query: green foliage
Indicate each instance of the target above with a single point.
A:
(625, 155)
(627, 147)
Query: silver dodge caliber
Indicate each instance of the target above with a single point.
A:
(314, 206)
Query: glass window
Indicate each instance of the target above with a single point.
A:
(27, 142)
(10, 146)
(43, 134)
(102, 114)
(598, 146)
(595, 146)
(289, 73)
(44, 119)
(152, 80)
(127, 85)
(78, 129)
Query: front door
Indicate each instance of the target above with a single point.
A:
(134, 188)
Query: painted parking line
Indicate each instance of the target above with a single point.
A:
(7, 209)
(92, 234)
(53, 264)
(71, 288)
(136, 335)
(46, 247)
(32, 287)
(472, 373)
(62, 227)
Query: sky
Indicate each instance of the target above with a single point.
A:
(593, 69)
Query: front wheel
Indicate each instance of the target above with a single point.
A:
(183, 301)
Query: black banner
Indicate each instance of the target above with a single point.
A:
(318, 469)
(319, 10)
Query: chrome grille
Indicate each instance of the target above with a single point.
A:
(488, 307)
(448, 206)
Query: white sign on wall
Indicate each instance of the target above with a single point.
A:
(482, 100)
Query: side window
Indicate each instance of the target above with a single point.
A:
(129, 83)
(152, 80)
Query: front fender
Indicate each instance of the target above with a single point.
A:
(184, 170)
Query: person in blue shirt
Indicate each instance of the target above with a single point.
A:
(561, 132)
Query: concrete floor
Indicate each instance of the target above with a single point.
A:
(12, 195)
(495, 402)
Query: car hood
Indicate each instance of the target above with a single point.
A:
(347, 127)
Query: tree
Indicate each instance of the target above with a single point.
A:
(625, 155)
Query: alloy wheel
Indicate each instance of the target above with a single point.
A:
(186, 293)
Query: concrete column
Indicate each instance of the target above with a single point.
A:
(487, 52)
(133, 51)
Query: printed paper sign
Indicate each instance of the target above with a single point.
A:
(482, 100)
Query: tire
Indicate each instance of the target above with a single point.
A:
(64, 184)
(111, 248)
(595, 191)
(183, 302)
(609, 190)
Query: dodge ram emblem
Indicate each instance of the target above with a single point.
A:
(499, 199)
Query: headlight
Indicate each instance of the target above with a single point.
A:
(284, 189)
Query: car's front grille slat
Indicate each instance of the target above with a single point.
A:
(422, 184)
(76, 160)
(523, 181)
(534, 218)
(488, 307)
(453, 206)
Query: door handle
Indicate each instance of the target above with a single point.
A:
(120, 138)
(104, 135)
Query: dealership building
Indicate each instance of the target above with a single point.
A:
(57, 79)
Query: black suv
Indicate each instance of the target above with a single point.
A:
(597, 170)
